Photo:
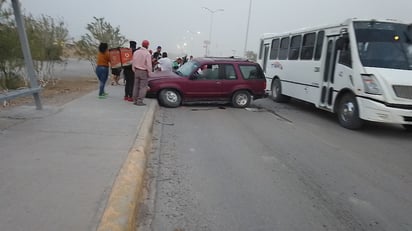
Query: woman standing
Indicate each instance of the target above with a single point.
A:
(102, 69)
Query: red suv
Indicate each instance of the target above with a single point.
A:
(212, 80)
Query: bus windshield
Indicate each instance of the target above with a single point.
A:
(384, 45)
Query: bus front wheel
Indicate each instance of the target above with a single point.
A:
(276, 94)
(348, 112)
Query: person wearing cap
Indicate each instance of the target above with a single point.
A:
(142, 67)
(158, 53)
(129, 76)
(156, 56)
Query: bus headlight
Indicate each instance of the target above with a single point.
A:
(371, 85)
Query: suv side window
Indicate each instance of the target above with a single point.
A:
(251, 72)
(230, 73)
(207, 72)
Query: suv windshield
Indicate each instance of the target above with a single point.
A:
(385, 45)
(187, 68)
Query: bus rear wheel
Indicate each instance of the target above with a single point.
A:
(348, 112)
(276, 94)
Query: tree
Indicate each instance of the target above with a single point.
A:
(46, 37)
(99, 31)
(251, 55)
(11, 57)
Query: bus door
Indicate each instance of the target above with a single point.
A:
(265, 57)
(326, 96)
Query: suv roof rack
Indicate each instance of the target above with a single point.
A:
(229, 58)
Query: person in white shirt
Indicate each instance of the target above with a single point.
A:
(165, 64)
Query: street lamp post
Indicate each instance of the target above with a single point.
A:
(212, 12)
(247, 27)
(192, 39)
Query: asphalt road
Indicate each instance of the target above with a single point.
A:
(289, 167)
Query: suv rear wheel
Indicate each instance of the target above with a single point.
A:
(241, 99)
(170, 98)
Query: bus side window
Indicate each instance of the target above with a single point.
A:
(319, 44)
(308, 46)
(261, 49)
(345, 53)
(295, 44)
(284, 47)
(274, 50)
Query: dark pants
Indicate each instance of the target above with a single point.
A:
(129, 78)
(102, 73)
(140, 85)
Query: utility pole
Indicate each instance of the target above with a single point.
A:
(212, 12)
(247, 27)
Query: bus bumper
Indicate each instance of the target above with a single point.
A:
(379, 112)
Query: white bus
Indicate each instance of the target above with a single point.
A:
(359, 69)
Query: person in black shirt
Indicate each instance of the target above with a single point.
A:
(158, 53)
(129, 77)
(156, 56)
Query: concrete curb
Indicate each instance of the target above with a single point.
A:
(121, 210)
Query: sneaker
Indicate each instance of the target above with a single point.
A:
(105, 94)
(139, 104)
(126, 98)
(102, 97)
(130, 99)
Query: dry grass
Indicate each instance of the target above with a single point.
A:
(65, 90)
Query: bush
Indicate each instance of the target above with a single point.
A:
(11, 82)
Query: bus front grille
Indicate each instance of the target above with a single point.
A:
(403, 91)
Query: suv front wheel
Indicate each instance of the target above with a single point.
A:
(170, 98)
(241, 99)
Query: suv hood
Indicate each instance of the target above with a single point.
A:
(163, 75)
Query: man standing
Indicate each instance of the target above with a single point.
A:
(158, 53)
(142, 67)
(165, 64)
(156, 56)
(129, 77)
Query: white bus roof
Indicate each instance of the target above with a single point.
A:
(316, 28)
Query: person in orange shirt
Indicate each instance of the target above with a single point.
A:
(102, 68)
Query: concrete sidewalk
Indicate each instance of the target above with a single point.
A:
(58, 165)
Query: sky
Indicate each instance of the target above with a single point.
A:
(182, 26)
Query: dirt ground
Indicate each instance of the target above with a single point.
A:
(64, 91)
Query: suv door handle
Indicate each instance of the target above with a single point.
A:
(218, 82)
